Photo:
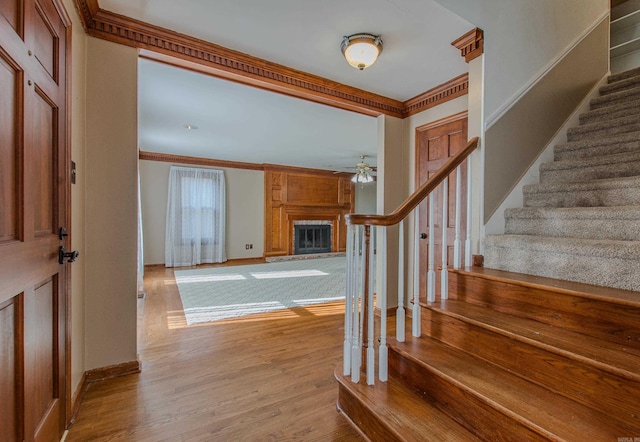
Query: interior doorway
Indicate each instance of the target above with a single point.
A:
(436, 142)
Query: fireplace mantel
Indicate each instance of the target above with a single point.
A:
(292, 196)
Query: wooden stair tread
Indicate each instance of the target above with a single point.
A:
(624, 297)
(406, 414)
(535, 407)
(614, 358)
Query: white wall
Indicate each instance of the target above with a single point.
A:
(245, 210)
(366, 199)
(521, 38)
(78, 108)
(111, 204)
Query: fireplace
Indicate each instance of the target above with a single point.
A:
(311, 238)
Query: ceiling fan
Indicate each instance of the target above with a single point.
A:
(364, 172)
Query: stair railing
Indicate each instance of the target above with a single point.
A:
(359, 331)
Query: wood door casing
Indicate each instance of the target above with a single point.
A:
(34, 196)
(435, 144)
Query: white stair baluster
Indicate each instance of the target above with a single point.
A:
(467, 241)
(415, 317)
(444, 275)
(371, 356)
(457, 244)
(348, 302)
(356, 341)
(431, 274)
(383, 352)
(400, 320)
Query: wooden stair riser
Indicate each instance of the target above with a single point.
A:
(570, 378)
(362, 417)
(608, 321)
(465, 407)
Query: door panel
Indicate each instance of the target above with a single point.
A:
(10, 368)
(9, 118)
(10, 10)
(435, 145)
(44, 164)
(34, 188)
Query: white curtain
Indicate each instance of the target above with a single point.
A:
(195, 231)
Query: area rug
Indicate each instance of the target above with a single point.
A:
(219, 293)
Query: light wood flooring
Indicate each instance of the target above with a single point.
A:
(258, 378)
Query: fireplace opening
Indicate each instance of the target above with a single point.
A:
(311, 239)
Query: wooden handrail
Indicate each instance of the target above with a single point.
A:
(421, 193)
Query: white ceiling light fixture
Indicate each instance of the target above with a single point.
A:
(361, 50)
(363, 172)
(362, 177)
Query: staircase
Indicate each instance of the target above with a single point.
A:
(517, 357)
(582, 222)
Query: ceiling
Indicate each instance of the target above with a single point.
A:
(241, 123)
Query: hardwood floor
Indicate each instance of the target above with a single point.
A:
(261, 378)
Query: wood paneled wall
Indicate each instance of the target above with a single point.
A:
(292, 195)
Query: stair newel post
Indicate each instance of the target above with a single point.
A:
(457, 245)
(369, 278)
(444, 274)
(467, 241)
(431, 273)
(415, 317)
(383, 351)
(356, 336)
(348, 302)
(400, 320)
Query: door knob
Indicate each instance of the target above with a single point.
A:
(62, 254)
(423, 235)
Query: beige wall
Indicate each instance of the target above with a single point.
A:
(513, 143)
(78, 108)
(111, 204)
(245, 210)
(366, 198)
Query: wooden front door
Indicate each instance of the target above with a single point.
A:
(435, 144)
(34, 189)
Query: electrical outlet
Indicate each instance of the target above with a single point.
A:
(246, 246)
(251, 246)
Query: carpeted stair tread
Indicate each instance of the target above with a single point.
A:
(584, 169)
(570, 246)
(615, 97)
(615, 223)
(619, 110)
(395, 408)
(629, 123)
(621, 84)
(621, 143)
(616, 359)
(623, 75)
(604, 192)
(610, 263)
(536, 408)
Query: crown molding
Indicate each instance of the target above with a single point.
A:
(456, 87)
(471, 44)
(162, 45)
(197, 161)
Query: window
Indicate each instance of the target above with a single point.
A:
(195, 231)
